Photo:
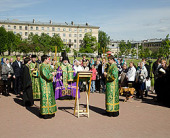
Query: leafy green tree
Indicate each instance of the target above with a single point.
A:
(3, 40)
(141, 51)
(57, 41)
(17, 42)
(75, 52)
(133, 52)
(165, 48)
(103, 40)
(45, 41)
(146, 53)
(128, 48)
(122, 47)
(89, 44)
(11, 41)
(34, 43)
(24, 47)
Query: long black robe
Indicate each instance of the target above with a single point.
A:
(27, 87)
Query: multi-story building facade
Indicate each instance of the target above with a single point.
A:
(71, 34)
(151, 44)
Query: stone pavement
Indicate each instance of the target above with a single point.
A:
(137, 119)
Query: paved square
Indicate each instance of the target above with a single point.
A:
(137, 119)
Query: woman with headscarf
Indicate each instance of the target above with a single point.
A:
(141, 75)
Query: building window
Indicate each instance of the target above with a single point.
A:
(31, 33)
(69, 35)
(80, 41)
(64, 35)
(36, 33)
(48, 29)
(47, 33)
(26, 33)
(69, 40)
(53, 29)
(64, 40)
(58, 34)
(90, 30)
(3, 26)
(75, 46)
(75, 30)
(42, 28)
(15, 27)
(37, 28)
(15, 33)
(31, 28)
(26, 28)
(58, 29)
(75, 35)
(75, 41)
(80, 35)
(20, 27)
(9, 26)
(53, 34)
(69, 29)
(80, 30)
(20, 33)
(64, 29)
(85, 30)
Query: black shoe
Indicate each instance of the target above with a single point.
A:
(40, 115)
(116, 114)
(110, 114)
(48, 116)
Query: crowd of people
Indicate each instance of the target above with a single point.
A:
(36, 77)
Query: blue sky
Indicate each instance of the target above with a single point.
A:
(120, 19)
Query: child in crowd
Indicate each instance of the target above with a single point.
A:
(94, 73)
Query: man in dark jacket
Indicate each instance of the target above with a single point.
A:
(17, 67)
(101, 69)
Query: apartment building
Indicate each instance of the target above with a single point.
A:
(71, 34)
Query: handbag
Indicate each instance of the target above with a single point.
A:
(4, 77)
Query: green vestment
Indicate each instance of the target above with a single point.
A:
(47, 100)
(35, 80)
(112, 89)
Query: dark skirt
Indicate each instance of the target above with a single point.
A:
(142, 86)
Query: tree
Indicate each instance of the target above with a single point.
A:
(34, 43)
(24, 47)
(89, 44)
(3, 40)
(141, 51)
(103, 40)
(17, 42)
(45, 42)
(122, 47)
(133, 52)
(75, 52)
(165, 48)
(128, 48)
(57, 41)
(11, 41)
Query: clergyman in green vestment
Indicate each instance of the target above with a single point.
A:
(35, 77)
(112, 89)
(47, 100)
